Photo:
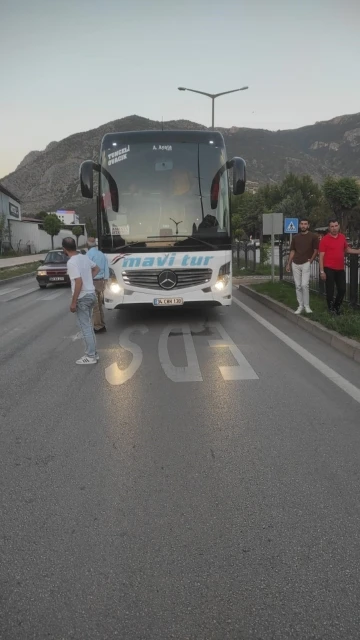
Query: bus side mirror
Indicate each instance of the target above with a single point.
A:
(239, 175)
(87, 178)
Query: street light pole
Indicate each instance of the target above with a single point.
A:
(213, 96)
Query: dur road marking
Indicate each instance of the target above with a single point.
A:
(116, 376)
(330, 374)
(192, 372)
(189, 373)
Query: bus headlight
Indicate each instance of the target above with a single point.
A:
(223, 278)
(115, 287)
(222, 282)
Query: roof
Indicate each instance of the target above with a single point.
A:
(8, 193)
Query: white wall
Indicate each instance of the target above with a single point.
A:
(29, 233)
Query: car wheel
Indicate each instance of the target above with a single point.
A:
(42, 286)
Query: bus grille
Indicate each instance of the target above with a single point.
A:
(149, 278)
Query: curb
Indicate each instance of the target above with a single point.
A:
(15, 278)
(346, 346)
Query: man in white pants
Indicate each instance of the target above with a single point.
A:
(303, 251)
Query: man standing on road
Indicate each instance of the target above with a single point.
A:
(81, 272)
(333, 248)
(100, 282)
(303, 251)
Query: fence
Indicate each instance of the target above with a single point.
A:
(352, 268)
(244, 256)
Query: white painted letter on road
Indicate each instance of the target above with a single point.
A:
(116, 376)
(190, 373)
(243, 370)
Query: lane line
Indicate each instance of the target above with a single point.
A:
(330, 374)
(51, 296)
(21, 295)
(3, 292)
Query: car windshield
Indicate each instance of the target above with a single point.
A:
(164, 194)
(56, 257)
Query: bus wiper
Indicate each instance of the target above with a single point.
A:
(180, 235)
(125, 246)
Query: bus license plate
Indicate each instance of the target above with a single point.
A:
(168, 302)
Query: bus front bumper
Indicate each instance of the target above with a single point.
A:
(115, 297)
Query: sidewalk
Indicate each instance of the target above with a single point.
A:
(16, 261)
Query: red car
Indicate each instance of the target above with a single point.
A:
(53, 269)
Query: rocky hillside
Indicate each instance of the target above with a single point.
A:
(49, 179)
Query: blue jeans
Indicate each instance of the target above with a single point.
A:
(84, 311)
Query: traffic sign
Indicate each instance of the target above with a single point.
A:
(291, 225)
(272, 224)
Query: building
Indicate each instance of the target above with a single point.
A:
(28, 236)
(67, 217)
(9, 205)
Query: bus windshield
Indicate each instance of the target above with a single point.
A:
(164, 195)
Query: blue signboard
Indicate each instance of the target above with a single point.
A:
(291, 225)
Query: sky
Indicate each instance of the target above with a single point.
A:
(74, 65)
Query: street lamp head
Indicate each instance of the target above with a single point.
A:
(181, 89)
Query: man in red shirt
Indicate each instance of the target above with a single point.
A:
(333, 248)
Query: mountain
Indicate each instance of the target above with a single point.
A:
(48, 180)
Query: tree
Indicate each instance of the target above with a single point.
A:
(77, 231)
(343, 195)
(293, 206)
(41, 215)
(52, 226)
(294, 186)
(90, 227)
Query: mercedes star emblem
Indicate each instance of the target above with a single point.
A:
(167, 279)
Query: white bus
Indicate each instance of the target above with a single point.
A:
(164, 218)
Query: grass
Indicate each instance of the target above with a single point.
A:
(20, 270)
(260, 270)
(348, 324)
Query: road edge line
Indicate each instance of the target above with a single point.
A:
(348, 347)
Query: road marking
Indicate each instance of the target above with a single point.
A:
(77, 336)
(52, 296)
(116, 376)
(329, 373)
(190, 373)
(3, 292)
(25, 293)
(243, 371)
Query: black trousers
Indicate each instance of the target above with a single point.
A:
(335, 277)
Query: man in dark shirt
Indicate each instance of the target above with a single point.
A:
(333, 248)
(303, 251)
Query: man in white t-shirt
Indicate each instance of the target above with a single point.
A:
(81, 272)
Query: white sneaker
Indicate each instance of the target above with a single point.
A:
(86, 360)
(307, 309)
(299, 310)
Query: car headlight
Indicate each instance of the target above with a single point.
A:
(42, 273)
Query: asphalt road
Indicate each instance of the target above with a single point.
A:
(200, 482)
